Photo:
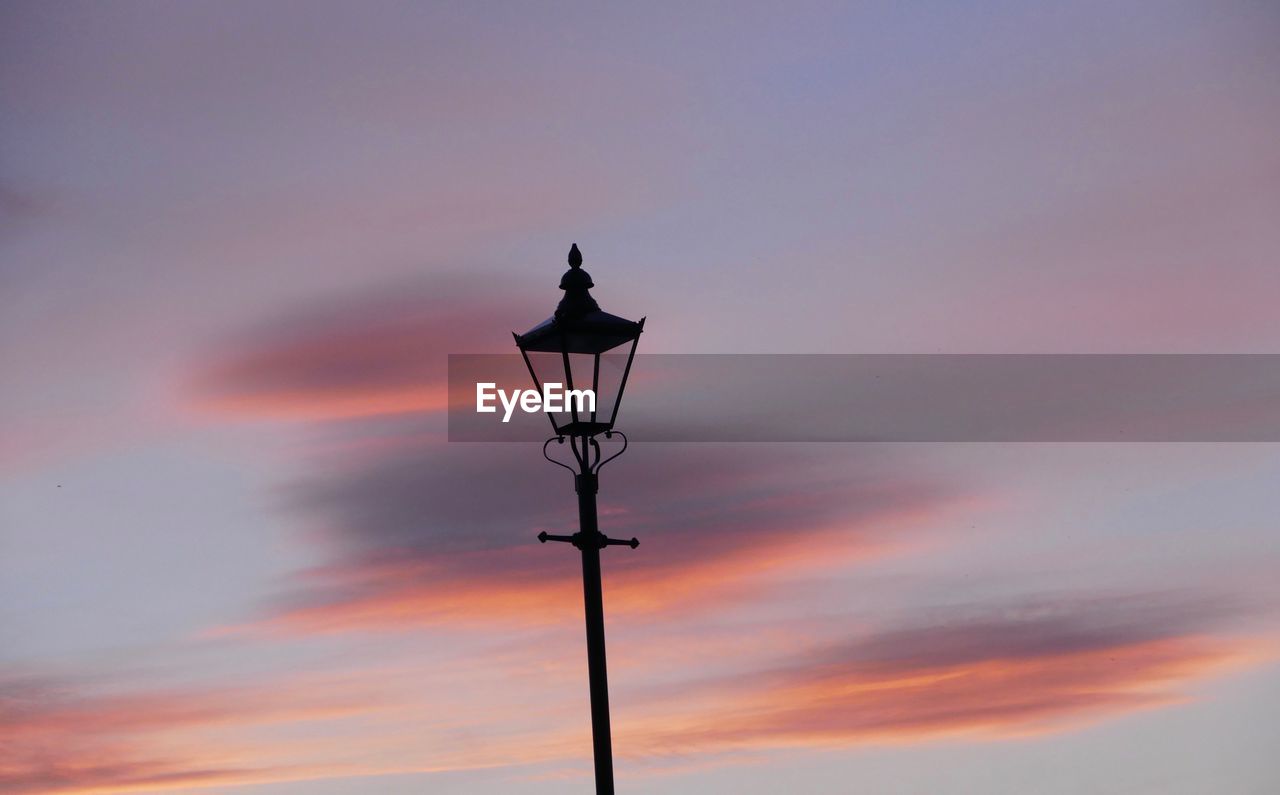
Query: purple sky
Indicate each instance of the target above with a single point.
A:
(238, 240)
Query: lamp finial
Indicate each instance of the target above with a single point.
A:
(575, 282)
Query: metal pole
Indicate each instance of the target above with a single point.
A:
(590, 541)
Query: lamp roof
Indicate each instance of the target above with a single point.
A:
(579, 325)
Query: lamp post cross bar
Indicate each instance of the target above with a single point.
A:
(578, 540)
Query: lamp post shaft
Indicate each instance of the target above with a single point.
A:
(590, 544)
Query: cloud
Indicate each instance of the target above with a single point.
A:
(419, 531)
(65, 735)
(447, 532)
(380, 353)
(996, 670)
(986, 671)
(386, 353)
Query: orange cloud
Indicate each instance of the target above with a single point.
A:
(997, 697)
(992, 671)
(71, 736)
(304, 406)
(56, 736)
(415, 552)
(417, 596)
(1003, 676)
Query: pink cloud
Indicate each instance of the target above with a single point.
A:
(1001, 670)
(378, 354)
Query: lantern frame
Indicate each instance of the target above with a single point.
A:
(580, 327)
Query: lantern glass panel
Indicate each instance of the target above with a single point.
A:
(612, 367)
(601, 373)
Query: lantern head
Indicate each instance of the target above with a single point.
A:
(572, 348)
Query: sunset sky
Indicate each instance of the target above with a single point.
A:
(238, 241)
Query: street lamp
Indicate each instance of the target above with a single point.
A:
(572, 345)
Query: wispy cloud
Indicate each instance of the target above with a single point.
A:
(994, 670)
(991, 670)
(65, 735)
(447, 532)
(374, 354)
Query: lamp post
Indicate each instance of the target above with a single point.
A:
(570, 343)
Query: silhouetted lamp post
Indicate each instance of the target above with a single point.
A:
(569, 349)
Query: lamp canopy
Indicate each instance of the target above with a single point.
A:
(579, 325)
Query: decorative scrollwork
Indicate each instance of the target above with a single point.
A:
(608, 435)
(587, 452)
(557, 440)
